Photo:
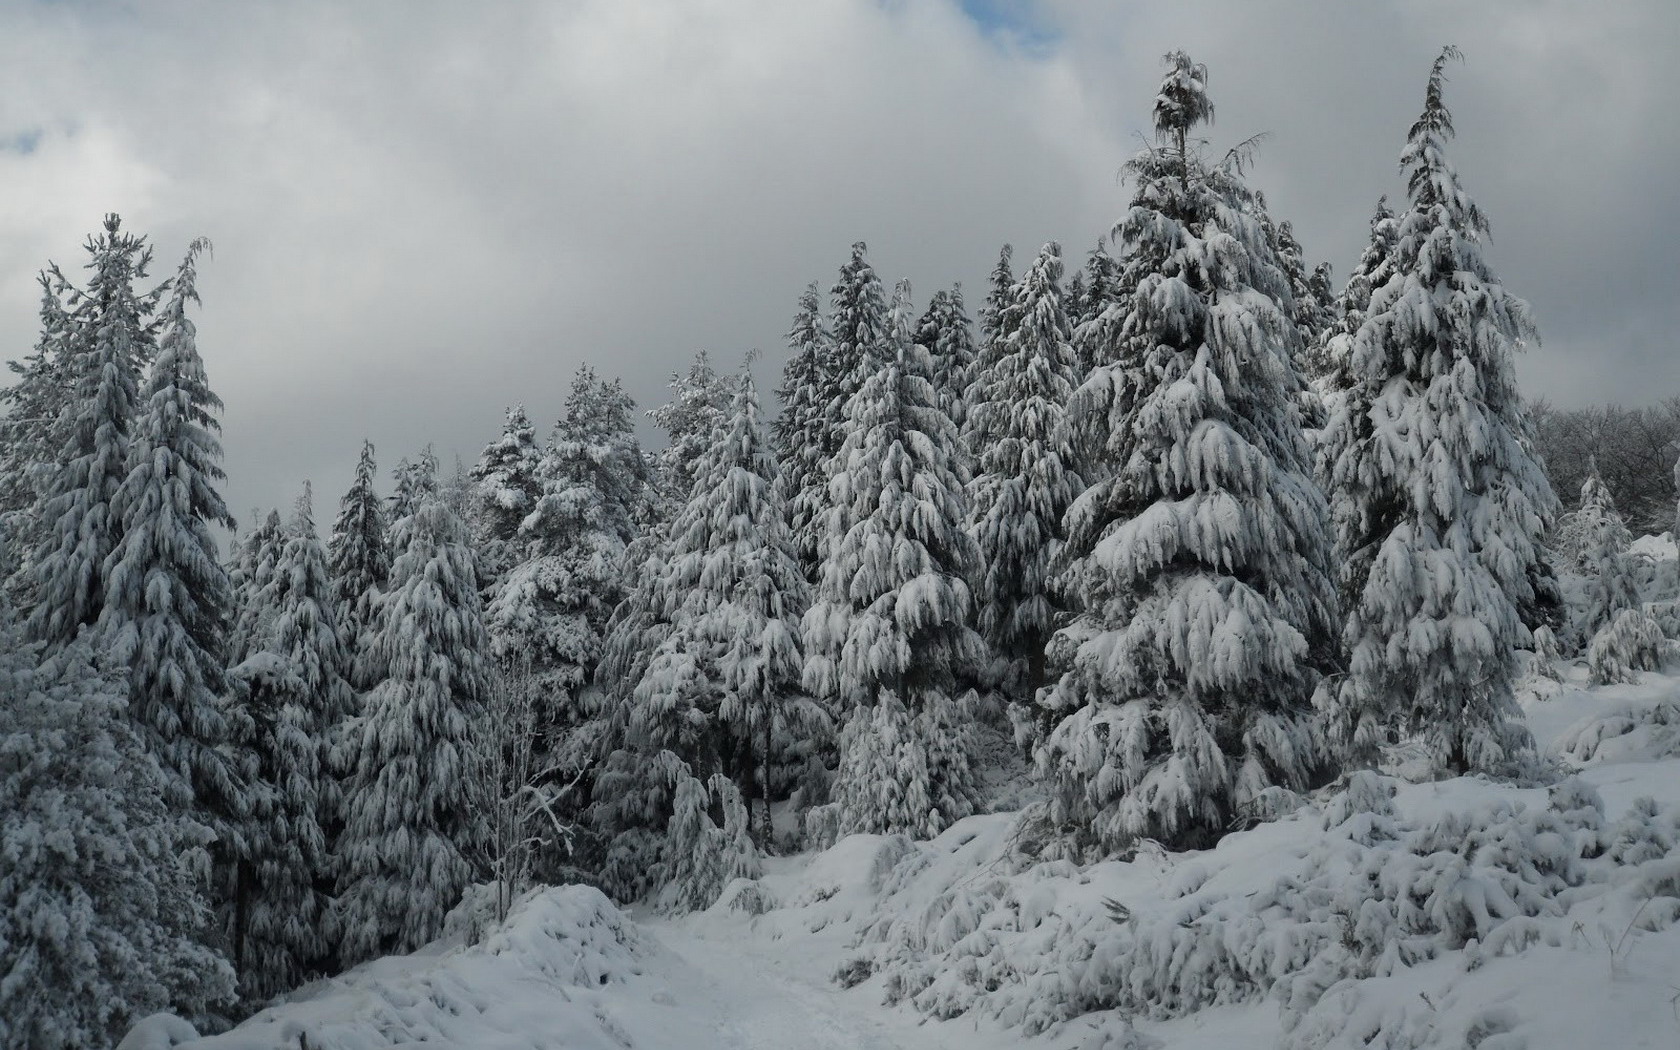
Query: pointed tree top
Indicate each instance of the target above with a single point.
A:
(1182, 101)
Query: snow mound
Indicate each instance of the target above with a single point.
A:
(557, 973)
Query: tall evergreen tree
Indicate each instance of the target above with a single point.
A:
(254, 566)
(698, 408)
(110, 339)
(949, 338)
(799, 431)
(167, 599)
(290, 700)
(1102, 292)
(508, 484)
(554, 607)
(1024, 483)
(1203, 562)
(1441, 502)
(889, 637)
(360, 560)
(1000, 293)
(409, 829)
(721, 691)
(1330, 356)
(31, 436)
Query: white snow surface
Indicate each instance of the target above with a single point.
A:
(1461, 913)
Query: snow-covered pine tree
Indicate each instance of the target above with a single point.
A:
(1000, 293)
(1024, 482)
(31, 437)
(1331, 355)
(167, 604)
(360, 559)
(1102, 291)
(801, 438)
(698, 408)
(508, 485)
(409, 827)
(1440, 501)
(553, 609)
(413, 482)
(949, 337)
(1600, 542)
(1203, 563)
(110, 339)
(891, 622)
(293, 701)
(253, 570)
(102, 920)
(862, 344)
(722, 690)
(1312, 314)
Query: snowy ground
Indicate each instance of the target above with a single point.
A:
(1533, 919)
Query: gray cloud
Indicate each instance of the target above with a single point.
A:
(424, 211)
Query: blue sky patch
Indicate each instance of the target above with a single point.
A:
(1015, 23)
(22, 143)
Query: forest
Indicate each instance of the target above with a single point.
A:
(1155, 543)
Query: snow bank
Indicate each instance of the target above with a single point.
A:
(563, 971)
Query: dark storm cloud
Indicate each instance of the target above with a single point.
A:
(424, 211)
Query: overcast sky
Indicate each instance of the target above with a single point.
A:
(423, 212)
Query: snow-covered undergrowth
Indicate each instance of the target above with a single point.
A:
(1459, 913)
(567, 969)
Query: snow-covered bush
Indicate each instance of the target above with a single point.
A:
(1627, 730)
(1630, 643)
(1372, 894)
(700, 857)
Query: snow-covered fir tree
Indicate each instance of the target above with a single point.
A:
(409, 829)
(507, 485)
(292, 700)
(801, 437)
(1440, 500)
(102, 918)
(413, 482)
(722, 689)
(949, 337)
(167, 602)
(861, 346)
(273, 913)
(1024, 483)
(890, 628)
(552, 611)
(1600, 541)
(698, 408)
(360, 559)
(31, 437)
(1330, 357)
(254, 565)
(1000, 293)
(1102, 290)
(1312, 313)
(1203, 563)
(110, 339)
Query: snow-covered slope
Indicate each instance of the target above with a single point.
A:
(1462, 913)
